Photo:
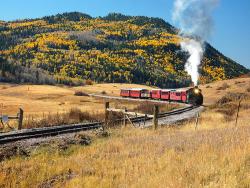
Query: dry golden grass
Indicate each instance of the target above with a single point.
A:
(73, 116)
(217, 154)
(50, 105)
(39, 99)
(211, 94)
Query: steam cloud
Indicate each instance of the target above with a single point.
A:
(194, 19)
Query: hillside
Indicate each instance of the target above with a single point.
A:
(73, 48)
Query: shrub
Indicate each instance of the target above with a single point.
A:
(239, 82)
(223, 87)
(228, 104)
(228, 110)
(103, 92)
(231, 97)
(74, 115)
(148, 108)
(245, 106)
(89, 82)
(248, 89)
(80, 93)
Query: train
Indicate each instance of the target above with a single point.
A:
(191, 95)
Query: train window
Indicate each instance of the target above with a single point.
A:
(178, 94)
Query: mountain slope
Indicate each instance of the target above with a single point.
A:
(71, 47)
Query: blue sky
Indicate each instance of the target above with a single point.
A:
(231, 30)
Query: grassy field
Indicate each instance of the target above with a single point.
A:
(46, 102)
(39, 99)
(217, 154)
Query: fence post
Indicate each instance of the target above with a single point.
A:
(155, 119)
(106, 115)
(197, 120)
(145, 117)
(238, 110)
(125, 119)
(20, 119)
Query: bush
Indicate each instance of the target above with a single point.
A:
(228, 110)
(80, 93)
(228, 104)
(74, 115)
(239, 82)
(231, 97)
(248, 89)
(223, 87)
(103, 92)
(89, 82)
(148, 107)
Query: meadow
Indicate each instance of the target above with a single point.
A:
(216, 154)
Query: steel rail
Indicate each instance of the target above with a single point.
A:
(161, 115)
(45, 133)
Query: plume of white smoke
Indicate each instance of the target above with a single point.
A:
(195, 50)
(194, 19)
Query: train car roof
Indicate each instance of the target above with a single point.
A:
(183, 89)
(134, 89)
(167, 90)
(140, 89)
(156, 89)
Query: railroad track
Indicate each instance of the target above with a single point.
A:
(58, 130)
(45, 132)
(162, 115)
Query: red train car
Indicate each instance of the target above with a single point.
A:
(139, 93)
(125, 92)
(156, 94)
(180, 95)
(184, 95)
(175, 95)
(165, 94)
(135, 93)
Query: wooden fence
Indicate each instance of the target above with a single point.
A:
(19, 117)
(127, 115)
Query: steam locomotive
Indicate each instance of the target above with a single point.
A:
(191, 95)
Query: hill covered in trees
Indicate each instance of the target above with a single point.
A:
(74, 48)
